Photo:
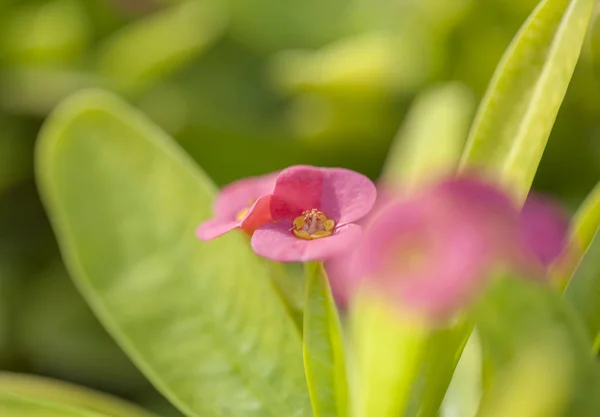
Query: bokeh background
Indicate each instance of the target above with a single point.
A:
(246, 87)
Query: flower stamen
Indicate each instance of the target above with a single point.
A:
(312, 224)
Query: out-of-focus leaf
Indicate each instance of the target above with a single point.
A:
(464, 392)
(443, 349)
(519, 320)
(324, 360)
(583, 290)
(58, 334)
(516, 116)
(12, 405)
(35, 91)
(387, 350)
(60, 394)
(16, 146)
(201, 320)
(586, 220)
(158, 45)
(584, 225)
(432, 137)
(45, 33)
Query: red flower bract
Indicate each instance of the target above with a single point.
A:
(313, 211)
(242, 204)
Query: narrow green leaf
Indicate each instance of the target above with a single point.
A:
(583, 290)
(431, 139)
(518, 111)
(388, 347)
(201, 320)
(584, 225)
(586, 220)
(323, 347)
(36, 388)
(542, 364)
(12, 405)
(442, 352)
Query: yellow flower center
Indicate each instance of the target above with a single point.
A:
(242, 213)
(312, 224)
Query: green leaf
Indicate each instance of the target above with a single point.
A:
(33, 388)
(12, 405)
(151, 48)
(201, 320)
(516, 115)
(584, 225)
(442, 351)
(431, 139)
(388, 348)
(323, 347)
(542, 364)
(583, 290)
(586, 220)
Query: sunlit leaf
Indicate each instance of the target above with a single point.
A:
(56, 394)
(432, 137)
(323, 347)
(387, 349)
(442, 351)
(518, 111)
(583, 227)
(201, 320)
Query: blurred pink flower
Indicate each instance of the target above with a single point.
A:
(434, 251)
(313, 211)
(544, 228)
(242, 204)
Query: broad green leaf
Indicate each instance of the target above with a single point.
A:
(442, 351)
(583, 290)
(155, 46)
(539, 352)
(518, 111)
(387, 350)
(201, 320)
(45, 390)
(431, 139)
(323, 347)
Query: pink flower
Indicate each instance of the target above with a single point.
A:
(242, 204)
(544, 228)
(434, 252)
(313, 211)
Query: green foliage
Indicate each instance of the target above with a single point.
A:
(538, 348)
(124, 201)
(517, 114)
(324, 360)
(24, 395)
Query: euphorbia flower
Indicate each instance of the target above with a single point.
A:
(313, 211)
(434, 251)
(242, 204)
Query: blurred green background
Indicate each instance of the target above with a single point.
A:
(246, 87)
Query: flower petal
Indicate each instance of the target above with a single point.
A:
(212, 229)
(297, 188)
(347, 196)
(241, 194)
(257, 215)
(544, 226)
(276, 242)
